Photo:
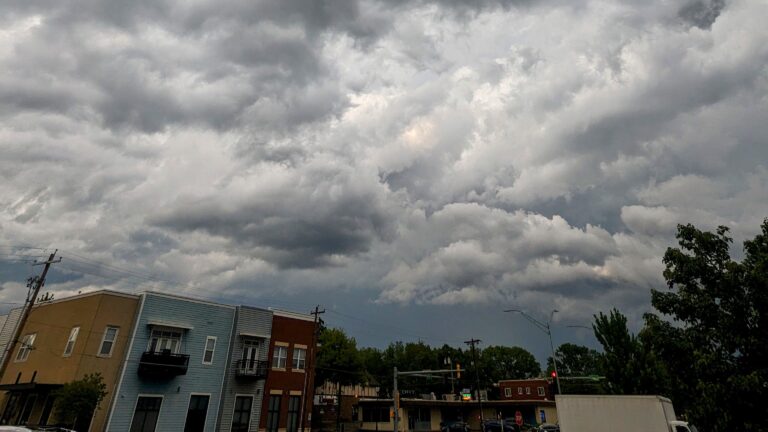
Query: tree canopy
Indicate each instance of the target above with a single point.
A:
(707, 346)
(77, 400)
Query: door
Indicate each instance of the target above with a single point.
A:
(28, 405)
(250, 356)
(146, 414)
(196, 413)
(241, 419)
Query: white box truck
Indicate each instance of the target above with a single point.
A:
(607, 413)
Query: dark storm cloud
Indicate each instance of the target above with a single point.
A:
(329, 216)
(702, 13)
(429, 152)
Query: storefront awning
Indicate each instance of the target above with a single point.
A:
(29, 386)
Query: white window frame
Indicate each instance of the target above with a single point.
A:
(68, 349)
(104, 339)
(541, 391)
(26, 345)
(168, 329)
(519, 390)
(205, 349)
(284, 358)
(527, 390)
(303, 360)
(234, 407)
(507, 391)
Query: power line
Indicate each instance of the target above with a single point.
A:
(399, 329)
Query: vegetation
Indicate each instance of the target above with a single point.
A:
(77, 400)
(707, 349)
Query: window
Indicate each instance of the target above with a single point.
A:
(145, 416)
(29, 403)
(241, 419)
(541, 391)
(519, 390)
(71, 341)
(508, 392)
(108, 341)
(293, 413)
(527, 390)
(273, 414)
(27, 345)
(196, 413)
(165, 339)
(279, 357)
(376, 414)
(299, 358)
(210, 346)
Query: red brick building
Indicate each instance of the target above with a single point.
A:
(288, 385)
(527, 389)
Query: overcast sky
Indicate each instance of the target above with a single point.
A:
(414, 167)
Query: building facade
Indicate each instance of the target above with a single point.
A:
(62, 341)
(246, 372)
(288, 391)
(422, 415)
(169, 363)
(526, 389)
(174, 372)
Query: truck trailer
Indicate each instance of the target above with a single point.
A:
(608, 413)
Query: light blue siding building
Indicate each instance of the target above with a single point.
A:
(174, 372)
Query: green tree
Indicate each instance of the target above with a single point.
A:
(578, 361)
(629, 366)
(77, 400)
(500, 362)
(337, 358)
(718, 343)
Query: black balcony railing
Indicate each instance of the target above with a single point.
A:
(251, 369)
(163, 364)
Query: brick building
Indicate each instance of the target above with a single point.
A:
(288, 389)
(526, 389)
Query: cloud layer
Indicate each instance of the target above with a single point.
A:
(528, 152)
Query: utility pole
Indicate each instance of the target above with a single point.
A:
(34, 284)
(309, 378)
(472, 343)
(546, 328)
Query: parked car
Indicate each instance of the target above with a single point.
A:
(454, 426)
(34, 429)
(495, 426)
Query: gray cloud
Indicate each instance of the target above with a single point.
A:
(417, 152)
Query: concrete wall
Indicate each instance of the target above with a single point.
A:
(249, 323)
(200, 320)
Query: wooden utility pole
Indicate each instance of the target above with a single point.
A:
(309, 378)
(34, 284)
(472, 343)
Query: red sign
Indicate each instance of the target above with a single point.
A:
(519, 418)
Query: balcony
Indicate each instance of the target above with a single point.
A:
(163, 364)
(253, 369)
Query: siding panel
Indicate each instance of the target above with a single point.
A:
(204, 319)
(252, 321)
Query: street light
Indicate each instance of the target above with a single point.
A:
(545, 327)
